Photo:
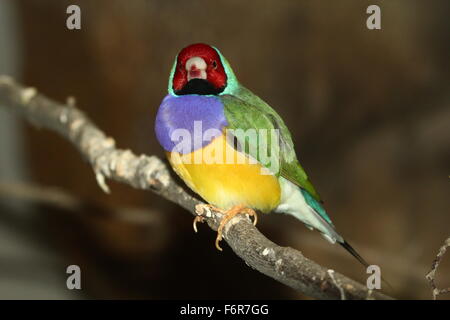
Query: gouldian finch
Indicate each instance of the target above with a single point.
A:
(231, 148)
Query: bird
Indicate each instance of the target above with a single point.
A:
(232, 149)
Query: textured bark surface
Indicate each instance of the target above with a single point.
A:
(431, 276)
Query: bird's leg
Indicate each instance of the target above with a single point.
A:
(230, 214)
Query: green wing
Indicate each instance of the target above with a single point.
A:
(243, 111)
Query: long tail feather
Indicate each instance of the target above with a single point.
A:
(354, 253)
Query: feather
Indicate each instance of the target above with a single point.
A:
(354, 253)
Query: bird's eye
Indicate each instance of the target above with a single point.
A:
(214, 64)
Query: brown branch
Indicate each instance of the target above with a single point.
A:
(283, 264)
(432, 274)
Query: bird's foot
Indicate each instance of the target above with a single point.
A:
(230, 214)
(197, 219)
(200, 209)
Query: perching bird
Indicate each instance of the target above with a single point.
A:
(232, 148)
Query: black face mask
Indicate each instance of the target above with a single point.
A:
(199, 86)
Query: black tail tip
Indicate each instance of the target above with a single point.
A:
(354, 253)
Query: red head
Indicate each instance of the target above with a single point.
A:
(201, 63)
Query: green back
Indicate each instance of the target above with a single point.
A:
(244, 110)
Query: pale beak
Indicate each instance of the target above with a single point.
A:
(196, 68)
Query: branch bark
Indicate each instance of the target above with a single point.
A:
(283, 264)
(431, 276)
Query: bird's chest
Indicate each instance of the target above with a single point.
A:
(188, 123)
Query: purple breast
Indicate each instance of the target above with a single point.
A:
(188, 123)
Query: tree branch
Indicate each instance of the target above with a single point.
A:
(283, 264)
(432, 274)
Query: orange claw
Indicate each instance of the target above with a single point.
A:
(230, 214)
(197, 219)
(200, 209)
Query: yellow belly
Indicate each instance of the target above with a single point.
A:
(225, 177)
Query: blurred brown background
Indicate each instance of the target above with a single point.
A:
(368, 111)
